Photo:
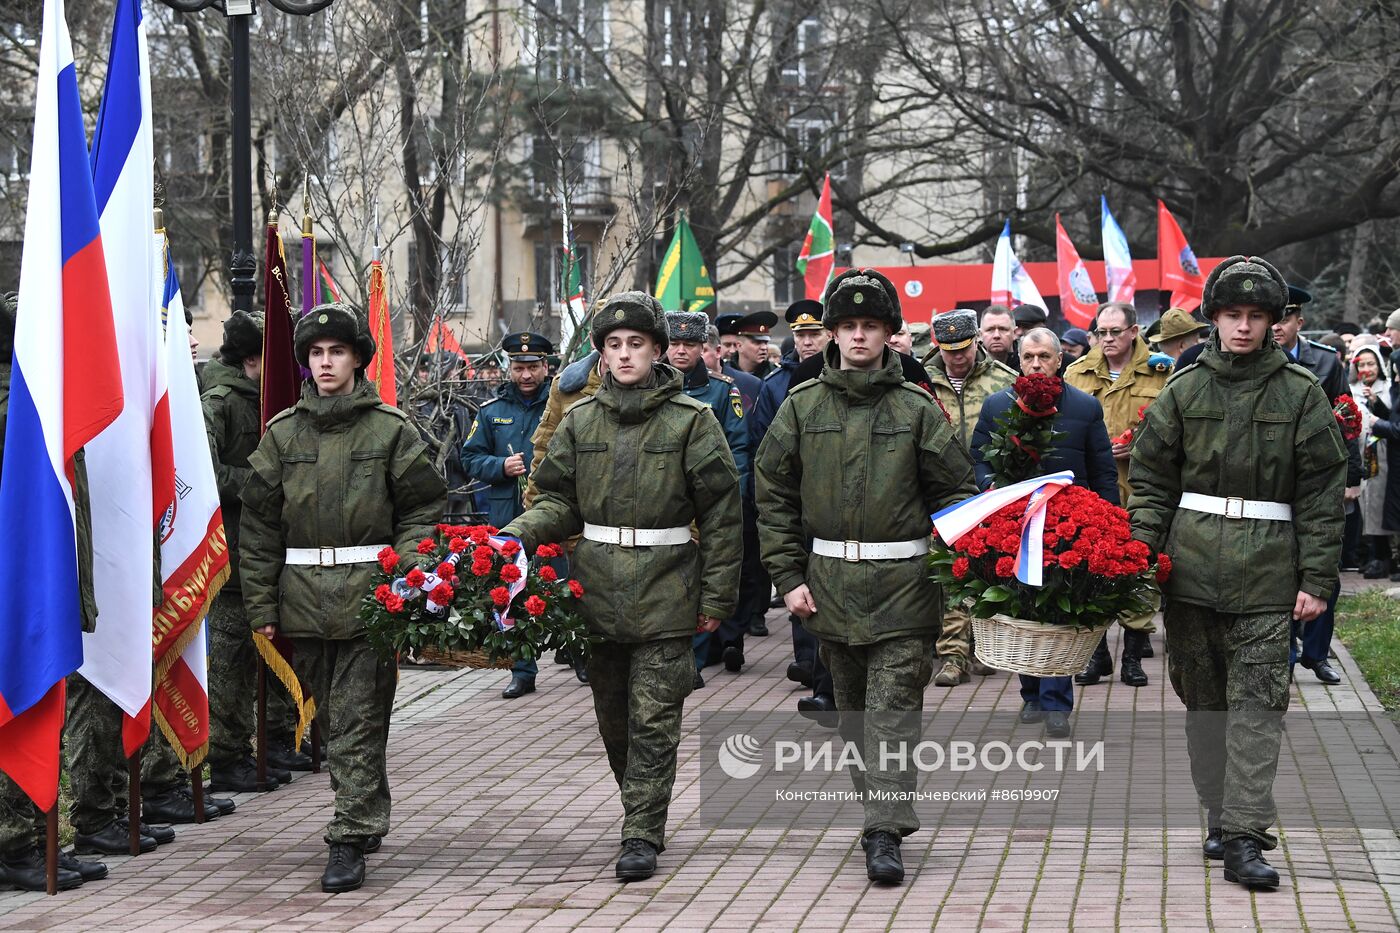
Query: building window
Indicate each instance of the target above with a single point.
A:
(452, 280)
(570, 35)
(549, 273)
(811, 137)
(583, 168)
(788, 286)
(800, 56)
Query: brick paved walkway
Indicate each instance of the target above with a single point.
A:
(506, 817)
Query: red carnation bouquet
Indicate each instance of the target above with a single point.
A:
(479, 594)
(1024, 434)
(1348, 417)
(1127, 436)
(1093, 570)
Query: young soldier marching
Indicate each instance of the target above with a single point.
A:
(857, 460)
(632, 468)
(1238, 473)
(335, 479)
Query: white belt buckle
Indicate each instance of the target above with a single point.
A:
(1234, 507)
(627, 537)
(325, 556)
(850, 551)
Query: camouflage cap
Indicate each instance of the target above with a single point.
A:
(955, 330)
(1245, 280)
(336, 320)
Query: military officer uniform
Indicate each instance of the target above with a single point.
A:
(334, 480)
(503, 428)
(1237, 473)
(718, 392)
(749, 385)
(631, 468)
(857, 460)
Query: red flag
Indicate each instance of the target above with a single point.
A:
(1181, 273)
(1078, 300)
(817, 260)
(440, 337)
(281, 376)
(381, 367)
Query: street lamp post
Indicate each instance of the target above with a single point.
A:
(242, 265)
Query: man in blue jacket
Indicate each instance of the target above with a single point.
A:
(497, 450)
(1082, 447)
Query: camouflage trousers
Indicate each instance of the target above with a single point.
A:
(1231, 671)
(639, 692)
(92, 746)
(20, 820)
(880, 693)
(233, 678)
(354, 685)
(160, 767)
(954, 637)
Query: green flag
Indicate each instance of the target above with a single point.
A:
(683, 284)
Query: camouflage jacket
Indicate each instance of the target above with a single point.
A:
(858, 456)
(233, 422)
(987, 377)
(642, 458)
(1254, 427)
(579, 380)
(1137, 385)
(82, 504)
(331, 472)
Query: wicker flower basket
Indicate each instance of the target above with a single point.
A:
(455, 658)
(1034, 648)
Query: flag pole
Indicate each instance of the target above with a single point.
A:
(51, 850)
(133, 777)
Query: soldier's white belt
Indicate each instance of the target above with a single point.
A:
(1235, 508)
(864, 550)
(636, 537)
(334, 556)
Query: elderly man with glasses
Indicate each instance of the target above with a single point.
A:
(1124, 375)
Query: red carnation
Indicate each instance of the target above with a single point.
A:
(427, 546)
(483, 552)
(457, 545)
(1164, 568)
(388, 558)
(444, 529)
(415, 577)
(1006, 566)
(442, 594)
(481, 568)
(548, 574)
(535, 606)
(382, 592)
(576, 588)
(1070, 559)
(510, 573)
(446, 570)
(500, 596)
(479, 534)
(394, 603)
(510, 548)
(960, 568)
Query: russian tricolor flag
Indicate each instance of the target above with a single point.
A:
(1117, 260)
(65, 388)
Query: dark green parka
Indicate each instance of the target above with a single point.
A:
(643, 457)
(233, 422)
(1253, 426)
(338, 471)
(858, 456)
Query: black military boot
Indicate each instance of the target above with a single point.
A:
(287, 759)
(883, 863)
(799, 674)
(345, 869)
(581, 670)
(1099, 666)
(1244, 864)
(163, 835)
(638, 860)
(520, 684)
(224, 805)
(26, 870)
(239, 776)
(175, 805)
(1132, 673)
(758, 627)
(1145, 647)
(112, 839)
(1213, 846)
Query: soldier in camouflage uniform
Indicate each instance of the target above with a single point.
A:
(962, 374)
(632, 468)
(21, 858)
(857, 460)
(233, 422)
(335, 479)
(1237, 473)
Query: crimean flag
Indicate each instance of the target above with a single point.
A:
(683, 282)
(1011, 283)
(193, 550)
(1181, 273)
(817, 260)
(381, 367)
(575, 307)
(130, 465)
(281, 376)
(65, 388)
(1117, 260)
(1078, 300)
(326, 283)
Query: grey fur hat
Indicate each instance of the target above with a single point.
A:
(635, 311)
(1245, 280)
(690, 326)
(335, 321)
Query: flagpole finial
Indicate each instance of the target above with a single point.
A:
(159, 218)
(306, 204)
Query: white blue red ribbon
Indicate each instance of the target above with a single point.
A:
(957, 520)
(503, 620)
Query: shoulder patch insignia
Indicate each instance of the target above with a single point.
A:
(736, 402)
(476, 422)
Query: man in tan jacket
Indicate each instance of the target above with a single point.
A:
(1125, 376)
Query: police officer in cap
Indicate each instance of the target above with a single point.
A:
(755, 333)
(729, 342)
(498, 451)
